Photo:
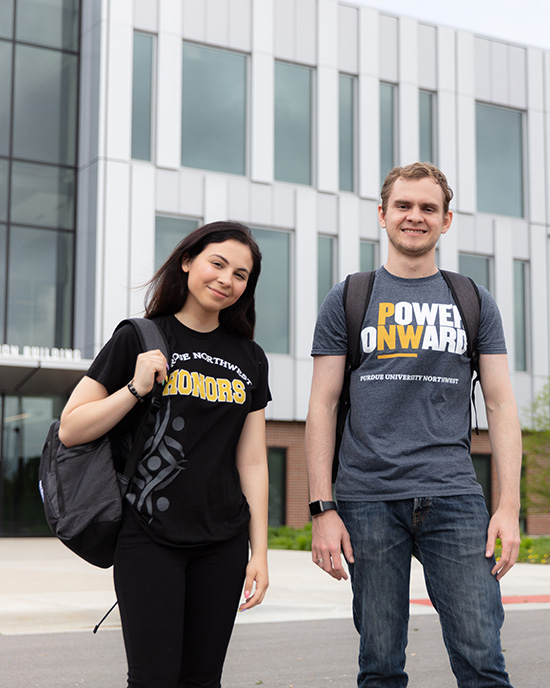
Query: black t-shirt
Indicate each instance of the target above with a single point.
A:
(186, 486)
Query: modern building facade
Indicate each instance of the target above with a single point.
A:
(134, 121)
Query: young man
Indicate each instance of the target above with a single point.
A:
(406, 483)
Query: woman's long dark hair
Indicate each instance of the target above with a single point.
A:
(167, 291)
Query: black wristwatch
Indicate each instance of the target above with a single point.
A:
(317, 507)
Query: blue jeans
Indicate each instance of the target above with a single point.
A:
(448, 536)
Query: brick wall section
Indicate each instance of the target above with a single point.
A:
(538, 518)
(290, 435)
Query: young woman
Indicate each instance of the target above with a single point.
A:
(199, 495)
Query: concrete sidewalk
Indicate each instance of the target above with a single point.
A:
(45, 588)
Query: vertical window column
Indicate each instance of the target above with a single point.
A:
(293, 123)
(346, 127)
(499, 160)
(273, 291)
(326, 256)
(142, 96)
(214, 109)
(521, 321)
(427, 126)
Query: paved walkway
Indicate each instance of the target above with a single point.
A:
(45, 588)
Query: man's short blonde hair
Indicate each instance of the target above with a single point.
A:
(418, 170)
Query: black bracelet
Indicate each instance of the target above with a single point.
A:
(133, 390)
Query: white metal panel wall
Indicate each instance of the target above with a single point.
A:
(466, 160)
(146, 15)
(388, 46)
(327, 97)
(118, 113)
(408, 117)
(262, 101)
(348, 238)
(427, 57)
(168, 97)
(114, 301)
(368, 129)
(295, 28)
(142, 237)
(539, 301)
(348, 35)
(535, 136)
(503, 267)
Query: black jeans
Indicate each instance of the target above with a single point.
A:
(177, 606)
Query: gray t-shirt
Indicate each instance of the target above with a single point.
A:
(408, 431)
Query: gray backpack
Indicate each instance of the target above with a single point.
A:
(80, 488)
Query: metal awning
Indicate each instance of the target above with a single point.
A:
(38, 377)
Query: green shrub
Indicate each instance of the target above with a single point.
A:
(533, 550)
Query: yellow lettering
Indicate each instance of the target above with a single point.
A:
(239, 393)
(385, 337)
(198, 385)
(171, 387)
(409, 338)
(185, 384)
(224, 390)
(211, 389)
(385, 310)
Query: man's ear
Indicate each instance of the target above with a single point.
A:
(381, 217)
(447, 222)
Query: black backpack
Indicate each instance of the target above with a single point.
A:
(357, 293)
(80, 488)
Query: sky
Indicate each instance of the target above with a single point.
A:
(519, 21)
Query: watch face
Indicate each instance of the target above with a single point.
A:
(315, 508)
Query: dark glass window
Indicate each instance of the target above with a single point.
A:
(45, 105)
(367, 256)
(325, 267)
(25, 422)
(520, 314)
(276, 458)
(5, 95)
(477, 268)
(499, 160)
(3, 256)
(213, 109)
(169, 231)
(482, 466)
(4, 174)
(293, 123)
(426, 121)
(273, 292)
(53, 23)
(6, 18)
(346, 126)
(40, 288)
(42, 195)
(142, 96)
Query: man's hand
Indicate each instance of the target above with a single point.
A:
(329, 539)
(504, 525)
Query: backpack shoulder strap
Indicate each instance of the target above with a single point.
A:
(149, 334)
(150, 337)
(468, 300)
(357, 293)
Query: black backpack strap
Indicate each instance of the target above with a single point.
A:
(150, 337)
(356, 297)
(468, 301)
(357, 293)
